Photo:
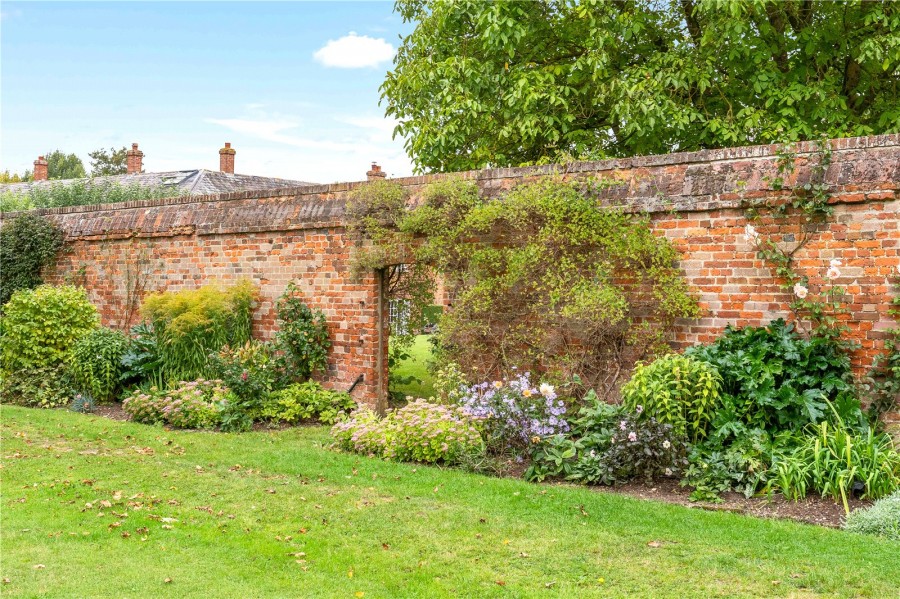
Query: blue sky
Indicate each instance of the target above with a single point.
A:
(292, 85)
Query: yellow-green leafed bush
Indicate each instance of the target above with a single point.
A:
(41, 325)
(677, 390)
(191, 324)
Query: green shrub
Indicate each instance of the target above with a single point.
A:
(417, 432)
(44, 387)
(742, 465)
(251, 372)
(82, 193)
(40, 326)
(96, 363)
(835, 459)
(191, 324)
(775, 380)
(609, 445)
(305, 401)
(882, 519)
(677, 390)
(302, 335)
(141, 363)
(194, 404)
(28, 243)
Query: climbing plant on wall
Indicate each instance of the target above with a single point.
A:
(545, 277)
(28, 243)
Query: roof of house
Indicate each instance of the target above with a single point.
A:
(191, 182)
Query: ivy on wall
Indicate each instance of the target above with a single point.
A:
(28, 243)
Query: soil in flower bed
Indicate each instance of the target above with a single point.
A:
(823, 511)
(112, 411)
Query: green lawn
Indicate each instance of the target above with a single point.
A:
(416, 365)
(116, 509)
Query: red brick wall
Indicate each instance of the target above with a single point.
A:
(693, 198)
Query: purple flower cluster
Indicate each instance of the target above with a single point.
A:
(193, 404)
(514, 411)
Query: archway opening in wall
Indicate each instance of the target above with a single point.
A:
(415, 303)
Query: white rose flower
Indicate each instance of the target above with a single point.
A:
(750, 234)
(800, 291)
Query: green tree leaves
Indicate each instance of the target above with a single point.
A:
(505, 83)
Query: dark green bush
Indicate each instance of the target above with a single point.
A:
(251, 372)
(775, 380)
(43, 387)
(609, 445)
(40, 326)
(302, 336)
(28, 243)
(96, 363)
(142, 363)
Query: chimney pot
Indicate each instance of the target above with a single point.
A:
(376, 173)
(41, 172)
(226, 159)
(134, 160)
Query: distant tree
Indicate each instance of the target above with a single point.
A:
(505, 83)
(8, 177)
(108, 162)
(64, 166)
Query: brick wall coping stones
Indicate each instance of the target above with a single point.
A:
(712, 197)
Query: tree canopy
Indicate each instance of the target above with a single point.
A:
(64, 166)
(109, 162)
(505, 83)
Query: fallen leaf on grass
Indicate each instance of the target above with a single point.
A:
(502, 583)
(167, 580)
(39, 566)
(6, 581)
(270, 491)
(654, 544)
(385, 546)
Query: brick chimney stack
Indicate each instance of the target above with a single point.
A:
(376, 173)
(226, 159)
(41, 172)
(134, 160)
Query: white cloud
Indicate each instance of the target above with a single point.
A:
(354, 52)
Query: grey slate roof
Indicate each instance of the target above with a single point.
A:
(192, 182)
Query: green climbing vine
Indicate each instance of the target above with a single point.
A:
(805, 211)
(544, 278)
